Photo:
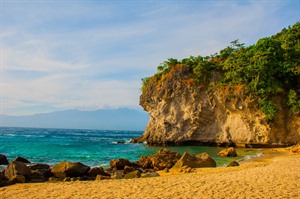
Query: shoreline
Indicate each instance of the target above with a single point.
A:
(273, 175)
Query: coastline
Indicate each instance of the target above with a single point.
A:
(273, 175)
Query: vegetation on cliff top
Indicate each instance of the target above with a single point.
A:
(267, 69)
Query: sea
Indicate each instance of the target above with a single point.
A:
(91, 147)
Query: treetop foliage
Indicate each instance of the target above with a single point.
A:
(269, 68)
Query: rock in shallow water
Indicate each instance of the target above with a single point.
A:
(229, 152)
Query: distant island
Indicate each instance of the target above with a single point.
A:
(103, 119)
(241, 96)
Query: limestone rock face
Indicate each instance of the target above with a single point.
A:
(183, 113)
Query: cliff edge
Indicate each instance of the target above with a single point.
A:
(243, 96)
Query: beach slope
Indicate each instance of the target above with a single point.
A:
(267, 177)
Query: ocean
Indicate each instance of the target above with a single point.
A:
(90, 147)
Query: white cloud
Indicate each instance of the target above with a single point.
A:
(92, 55)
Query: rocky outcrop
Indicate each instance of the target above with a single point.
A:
(186, 113)
(229, 152)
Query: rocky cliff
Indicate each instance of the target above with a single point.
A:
(183, 113)
(244, 96)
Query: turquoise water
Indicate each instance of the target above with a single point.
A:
(91, 147)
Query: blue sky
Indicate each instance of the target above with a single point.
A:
(88, 55)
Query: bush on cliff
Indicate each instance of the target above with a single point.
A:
(267, 69)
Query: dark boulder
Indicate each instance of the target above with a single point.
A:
(128, 169)
(17, 168)
(21, 159)
(3, 160)
(229, 152)
(163, 159)
(233, 164)
(17, 179)
(3, 179)
(40, 167)
(145, 162)
(40, 172)
(68, 169)
(97, 171)
(119, 164)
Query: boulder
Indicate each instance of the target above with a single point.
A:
(295, 149)
(3, 179)
(37, 176)
(164, 158)
(145, 162)
(40, 167)
(151, 174)
(17, 168)
(119, 164)
(101, 177)
(3, 160)
(97, 171)
(117, 175)
(21, 159)
(128, 169)
(133, 174)
(194, 161)
(233, 164)
(17, 179)
(229, 152)
(68, 169)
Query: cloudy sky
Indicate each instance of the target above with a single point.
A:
(88, 55)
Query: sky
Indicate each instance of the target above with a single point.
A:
(89, 55)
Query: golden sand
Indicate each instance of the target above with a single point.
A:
(265, 177)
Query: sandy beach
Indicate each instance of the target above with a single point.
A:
(275, 175)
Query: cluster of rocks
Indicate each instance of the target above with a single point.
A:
(20, 170)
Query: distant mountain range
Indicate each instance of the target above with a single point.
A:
(104, 119)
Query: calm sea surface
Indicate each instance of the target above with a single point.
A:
(91, 147)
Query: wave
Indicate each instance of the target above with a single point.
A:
(248, 157)
(121, 142)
